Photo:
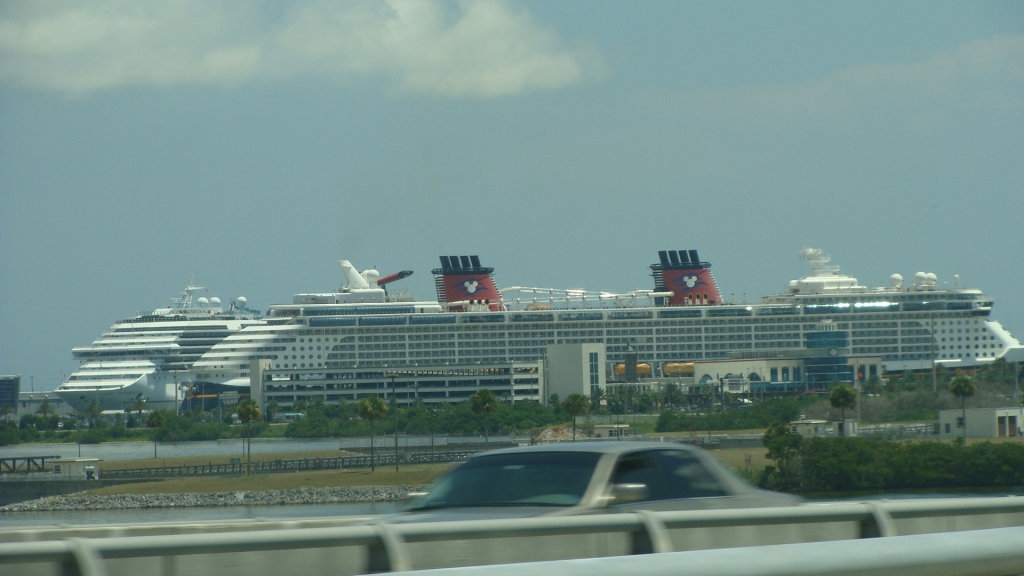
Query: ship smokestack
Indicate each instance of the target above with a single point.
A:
(463, 279)
(690, 280)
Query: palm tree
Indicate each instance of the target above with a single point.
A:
(372, 408)
(45, 409)
(248, 411)
(843, 396)
(156, 420)
(93, 412)
(962, 387)
(575, 405)
(139, 405)
(483, 402)
(272, 408)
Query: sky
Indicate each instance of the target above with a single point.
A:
(254, 144)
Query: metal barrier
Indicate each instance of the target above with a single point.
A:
(289, 465)
(393, 547)
(996, 552)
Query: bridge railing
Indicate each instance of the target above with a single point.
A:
(289, 465)
(432, 545)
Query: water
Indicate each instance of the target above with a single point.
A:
(203, 514)
(143, 450)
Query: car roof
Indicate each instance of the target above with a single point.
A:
(603, 447)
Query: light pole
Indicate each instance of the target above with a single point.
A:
(394, 405)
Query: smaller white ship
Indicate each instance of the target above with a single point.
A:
(149, 357)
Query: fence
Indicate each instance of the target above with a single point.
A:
(292, 465)
(782, 539)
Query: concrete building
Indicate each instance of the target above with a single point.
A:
(574, 369)
(611, 431)
(77, 468)
(780, 374)
(511, 382)
(982, 422)
(29, 403)
(810, 428)
(10, 387)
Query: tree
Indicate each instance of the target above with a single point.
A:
(93, 412)
(248, 411)
(575, 405)
(139, 405)
(483, 402)
(372, 408)
(962, 387)
(843, 396)
(6, 409)
(596, 396)
(45, 409)
(272, 408)
(156, 420)
(672, 395)
(554, 402)
(873, 385)
(300, 406)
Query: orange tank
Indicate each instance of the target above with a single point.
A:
(642, 369)
(677, 368)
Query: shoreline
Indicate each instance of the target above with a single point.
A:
(334, 495)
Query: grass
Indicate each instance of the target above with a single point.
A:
(408, 475)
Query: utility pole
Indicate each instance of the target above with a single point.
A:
(177, 407)
(935, 387)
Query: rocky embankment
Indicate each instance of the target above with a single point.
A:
(83, 501)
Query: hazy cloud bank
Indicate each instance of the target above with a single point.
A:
(484, 48)
(983, 75)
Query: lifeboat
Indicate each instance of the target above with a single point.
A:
(642, 369)
(677, 368)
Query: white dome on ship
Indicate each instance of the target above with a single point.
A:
(371, 276)
(202, 301)
(932, 278)
(241, 301)
(215, 301)
(920, 278)
(896, 280)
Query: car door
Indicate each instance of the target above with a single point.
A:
(676, 480)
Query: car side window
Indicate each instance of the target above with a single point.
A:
(636, 469)
(685, 476)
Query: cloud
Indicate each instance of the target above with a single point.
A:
(484, 48)
(983, 75)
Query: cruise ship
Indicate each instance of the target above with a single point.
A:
(824, 317)
(149, 357)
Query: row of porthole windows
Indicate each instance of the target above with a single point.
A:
(960, 346)
(303, 347)
(982, 354)
(300, 365)
(960, 338)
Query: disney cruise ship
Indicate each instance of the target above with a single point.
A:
(149, 357)
(824, 317)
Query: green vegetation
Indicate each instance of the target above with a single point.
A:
(483, 403)
(809, 465)
(575, 405)
(759, 415)
(372, 408)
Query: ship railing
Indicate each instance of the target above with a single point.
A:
(522, 298)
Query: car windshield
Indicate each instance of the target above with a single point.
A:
(523, 479)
